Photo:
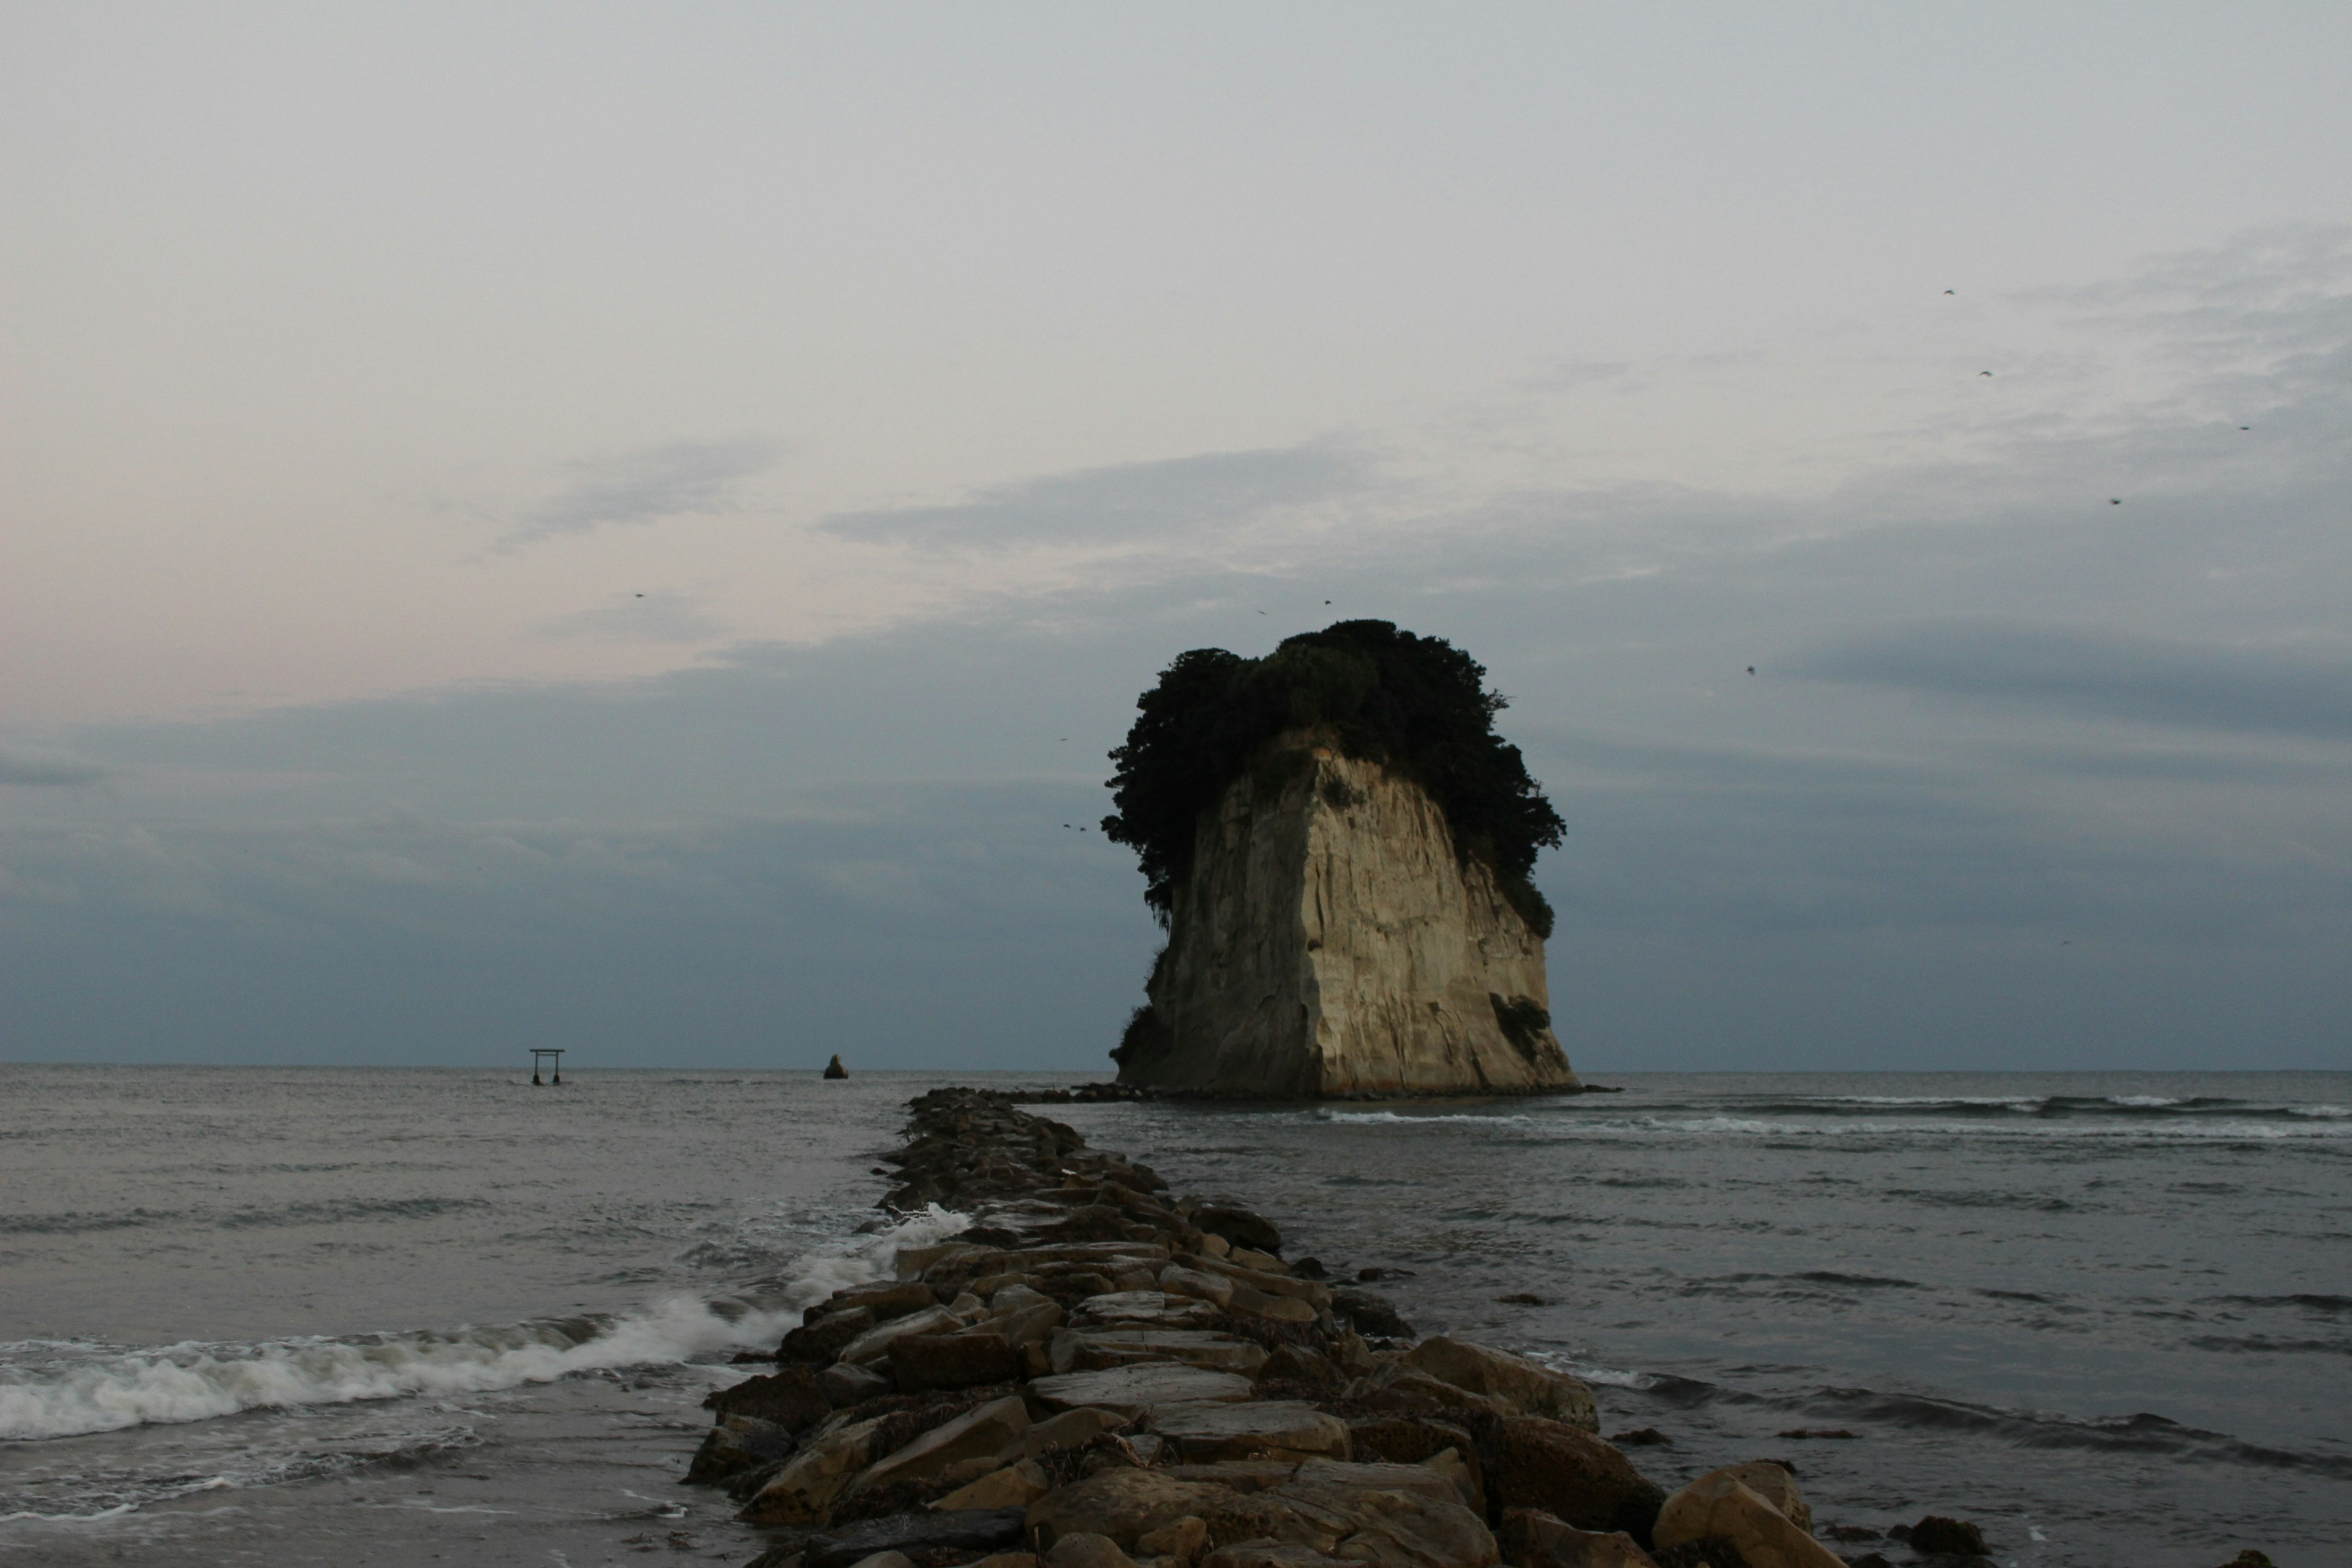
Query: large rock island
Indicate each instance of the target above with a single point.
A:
(1338, 844)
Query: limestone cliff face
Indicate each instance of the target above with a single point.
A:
(1328, 942)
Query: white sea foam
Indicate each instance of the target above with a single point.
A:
(194, 1382)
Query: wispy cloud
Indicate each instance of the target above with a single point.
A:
(1122, 502)
(642, 617)
(42, 770)
(2101, 673)
(677, 480)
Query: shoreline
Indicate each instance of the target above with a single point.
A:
(1099, 1372)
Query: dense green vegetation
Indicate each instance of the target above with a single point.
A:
(1418, 706)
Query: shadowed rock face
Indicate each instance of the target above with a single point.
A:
(1329, 943)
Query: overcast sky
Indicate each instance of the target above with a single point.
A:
(633, 528)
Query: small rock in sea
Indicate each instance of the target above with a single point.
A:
(1521, 1299)
(1310, 1268)
(1869, 1560)
(1366, 1276)
(1853, 1532)
(2250, 1558)
(1802, 1433)
(1936, 1533)
(834, 1070)
(1641, 1438)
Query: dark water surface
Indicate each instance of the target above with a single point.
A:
(357, 1317)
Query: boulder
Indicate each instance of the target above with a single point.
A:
(993, 1430)
(1569, 1473)
(1273, 1284)
(1934, 1533)
(1184, 1539)
(1029, 1326)
(874, 1344)
(1379, 1475)
(735, 1444)
(792, 1399)
(1133, 1391)
(1530, 1539)
(1200, 1285)
(1266, 1553)
(1091, 1350)
(804, 1491)
(1719, 1506)
(1518, 1385)
(1015, 1486)
(885, 1559)
(1248, 1301)
(1237, 1226)
(1083, 1551)
(1407, 1439)
(1777, 1485)
(1298, 1365)
(1371, 1313)
(886, 1299)
(1242, 1475)
(1144, 1308)
(1279, 1428)
(969, 1530)
(846, 1385)
(1070, 1429)
(819, 1341)
(952, 1361)
(1415, 1525)
(1122, 1504)
(1399, 1378)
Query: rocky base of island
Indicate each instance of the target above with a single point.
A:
(1097, 1374)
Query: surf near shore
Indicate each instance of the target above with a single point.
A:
(1096, 1372)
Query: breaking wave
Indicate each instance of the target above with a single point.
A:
(95, 1389)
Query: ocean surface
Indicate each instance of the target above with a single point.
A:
(360, 1317)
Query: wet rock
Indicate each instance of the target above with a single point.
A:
(913, 1533)
(1310, 1268)
(1071, 1429)
(1567, 1472)
(1015, 1486)
(885, 1559)
(1532, 1539)
(1092, 1350)
(886, 1299)
(1248, 1301)
(1720, 1506)
(1267, 1552)
(1134, 1391)
(792, 1399)
(1242, 1475)
(992, 1429)
(1085, 1550)
(952, 1361)
(1008, 1560)
(846, 1385)
(1519, 1386)
(1936, 1533)
(1144, 1308)
(736, 1444)
(1419, 1389)
(1775, 1483)
(1197, 1283)
(1030, 1325)
(834, 1069)
(873, 1346)
(1184, 1539)
(1640, 1437)
(1237, 1226)
(1371, 1313)
(1121, 1504)
(2250, 1558)
(1294, 1366)
(820, 1340)
(802, 1492)
(1407, 1439)
(1416, 1522)
(1205, 1433)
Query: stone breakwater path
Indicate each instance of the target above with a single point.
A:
(1097, 1372)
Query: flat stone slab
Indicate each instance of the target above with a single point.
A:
(1135, 1390)
(1085, 1349)
(965, 1530)
(1144, 1308)
(1269, 1428)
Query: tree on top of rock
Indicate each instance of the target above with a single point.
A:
(1418, 706)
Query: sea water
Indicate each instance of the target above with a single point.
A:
(357, 1317)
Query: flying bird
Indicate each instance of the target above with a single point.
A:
(1951, 290)
(2245, 427)
(2114, 501)
(1751, 669)
(1984, 373)
(641, 596)
(1327, 601)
